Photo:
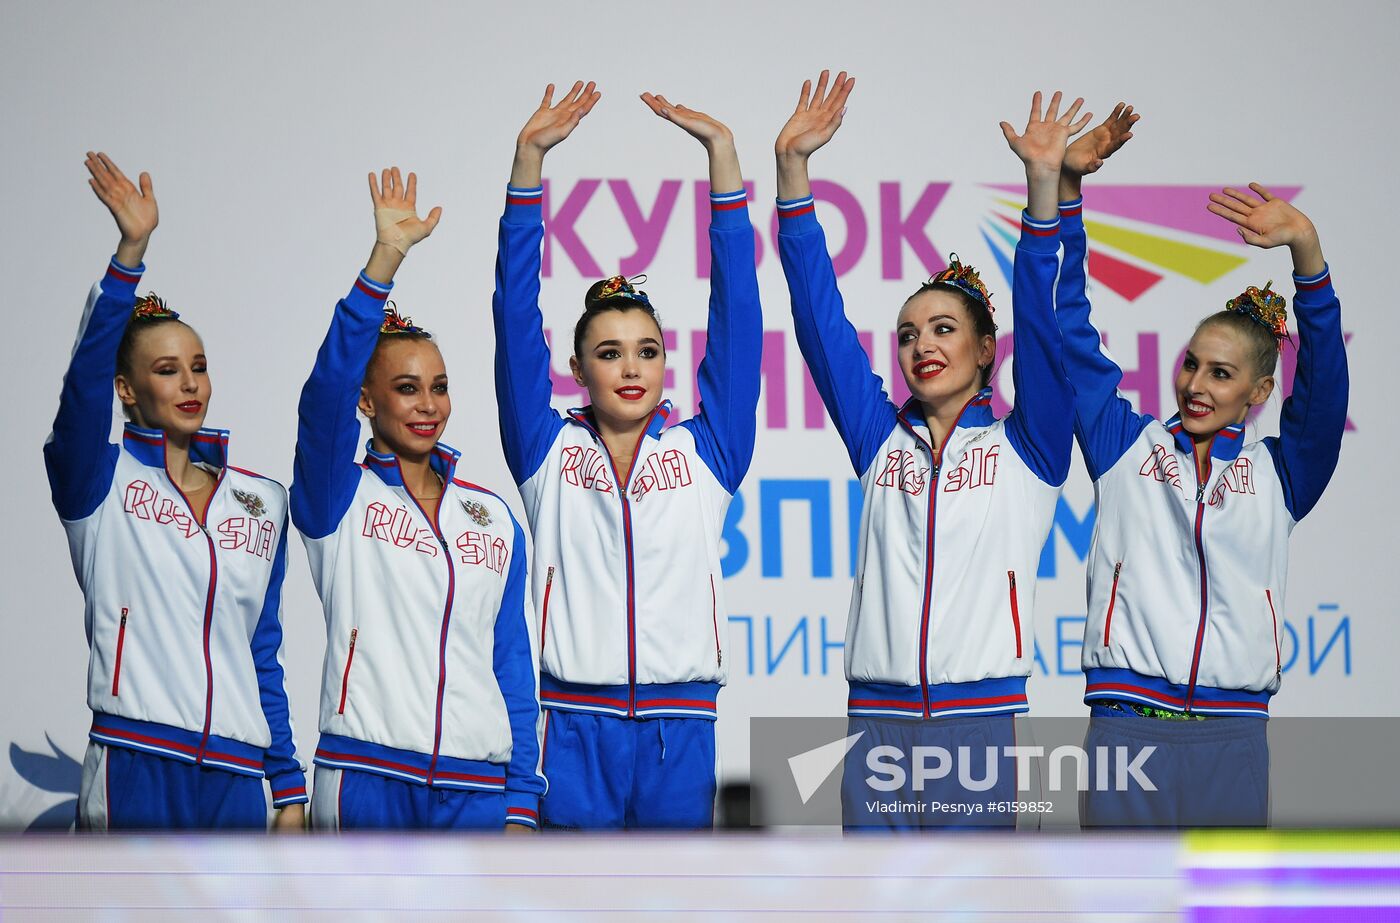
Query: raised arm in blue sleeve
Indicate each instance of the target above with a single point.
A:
(724, 428)
(1041, 425)
(324, 474)
(78, 454)
(528, 423)
(1105, 423)
(853, 394)
(517, 673)
(1315, 415)
(285, 774)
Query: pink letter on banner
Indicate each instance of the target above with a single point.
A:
(560, 226)
(895, 230)
(1146, 379)
(702, 229)
(857, 229)
(647, 230)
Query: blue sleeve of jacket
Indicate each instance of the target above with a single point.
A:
(725, 427)
(1041, 425)
(1104, 422)
(79, 458)
(517, 673)
(853, 394)
(286, 776)
(324, 473)
(528, 423)
(1314, 416)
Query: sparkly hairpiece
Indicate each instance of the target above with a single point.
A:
(964, 278)
(394, 322)
(1265, 307)
(152, 307)
(622, 287)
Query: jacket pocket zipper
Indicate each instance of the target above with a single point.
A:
(1278, 655)
(345, 678)
(1112, 600)
(714, 618)
(121, 642)
(544, 614)
(1015, 610)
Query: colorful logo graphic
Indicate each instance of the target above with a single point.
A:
(1137, 235)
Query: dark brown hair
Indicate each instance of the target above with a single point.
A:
(593, 306)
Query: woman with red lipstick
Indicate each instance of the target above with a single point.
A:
(957, 504)
(1190, 551)
(429, 703)
(626, 512)
(180, 557)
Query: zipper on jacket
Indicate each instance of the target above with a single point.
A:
(1112, 600)
(1278, 654)
(622, 486)
(544, 616)
(446, 611)
(345, 677)
(1201, 483)
(714, 617)
(121, 641)
(208, 602)
(1015, 611)
(937, 466)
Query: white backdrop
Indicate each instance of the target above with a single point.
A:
(259, 122)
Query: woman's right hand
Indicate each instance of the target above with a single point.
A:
(134, 209)
(812, 124)
(549, 124)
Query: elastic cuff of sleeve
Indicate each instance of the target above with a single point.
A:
(119, 276)
(796, 215)
(1072, 214)
(368, 289)
(1313, 283)
(524, 205)
(729, 209)
(288, 788)
(523, 808)
(1039, 236)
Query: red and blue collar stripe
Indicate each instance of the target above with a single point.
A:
(1225, 446)
(386, 464)
(977, 412)
(207, 446)
(659, 418)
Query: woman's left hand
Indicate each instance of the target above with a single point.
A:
(708, 131)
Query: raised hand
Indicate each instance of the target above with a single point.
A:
(553, 122)
(817, 116)
(134, 209)
(396, 211)
(1270, 222)
(711, 132)
(1042, 145)
(708, 131)
(1090, 150)
(1041, 148)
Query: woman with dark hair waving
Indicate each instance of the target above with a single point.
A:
(1190, 550)
(180, 557)
(625, 510)
(957, 503)
(429, 708)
